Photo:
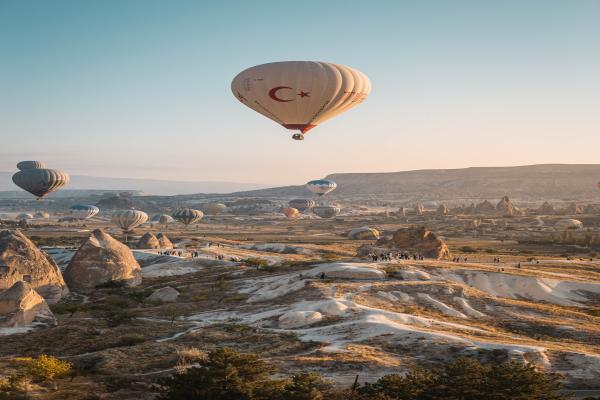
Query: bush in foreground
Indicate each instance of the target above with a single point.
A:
(227, 375)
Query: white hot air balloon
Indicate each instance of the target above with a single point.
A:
(321, 186)
(300, 94)
(82, 211)
(127, 220)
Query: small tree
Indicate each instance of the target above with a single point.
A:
(224, 375)
(305, 386)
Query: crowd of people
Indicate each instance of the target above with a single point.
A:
(395, 256)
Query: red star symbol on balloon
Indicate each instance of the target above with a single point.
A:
(304, 94)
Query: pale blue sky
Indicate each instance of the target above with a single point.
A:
(141, 88)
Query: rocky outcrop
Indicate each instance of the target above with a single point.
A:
(166, 294)
(546, 209)
(297, 319)
(485, 207)
(21, 260)
(506, 208)
(101, 259)
(419, 209)
(148, 241)
(442, 210)
(21, 306)
(572, 209)
(164, 241)
(417, 240)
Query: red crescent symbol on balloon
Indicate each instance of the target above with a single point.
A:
(273, 93)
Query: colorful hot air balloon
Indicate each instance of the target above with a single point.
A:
(302, 204)
(188, 215)
(290, 212)
(40, 181)
(321, 186)
(127, 220)
(300, 94)
(82, 211)
(326, 211)
(215, 208)
(23, 165)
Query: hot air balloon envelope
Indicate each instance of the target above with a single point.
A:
(300, 95)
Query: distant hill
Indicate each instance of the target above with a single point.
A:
(150, 186)
(575, 182)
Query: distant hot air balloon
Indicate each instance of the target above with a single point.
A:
(321, 186)
(163, 219)
(302, 204)
(39, 181)
(23, 165)
(188, 215)
(290, 212)
(215, 208)
(300, 94)
(128, 220)
(326, 211)
(82, 211)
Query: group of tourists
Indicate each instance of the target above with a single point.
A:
(395, 256)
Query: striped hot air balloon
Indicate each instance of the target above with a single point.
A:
(302, 204)
(188, 216)
(326, 211)
(290, 212)
(82, 211)
(321, 187)
(301, 94)
(23, 165)
(41, 181)
(128, 220)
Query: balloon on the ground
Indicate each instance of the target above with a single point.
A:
(163, 219)
(290, 212)
(215, 208)
(188, 216)
(83, 211)
(41, 181)
(300, 95)
(326, 211)
(363, 233)
(23, 165)
(302, 204)
(129, 219)
(321, 186)
(23, 216)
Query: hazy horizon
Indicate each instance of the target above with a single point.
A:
(141, 90)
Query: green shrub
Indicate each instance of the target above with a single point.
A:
(43, 368)
(467, 249)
